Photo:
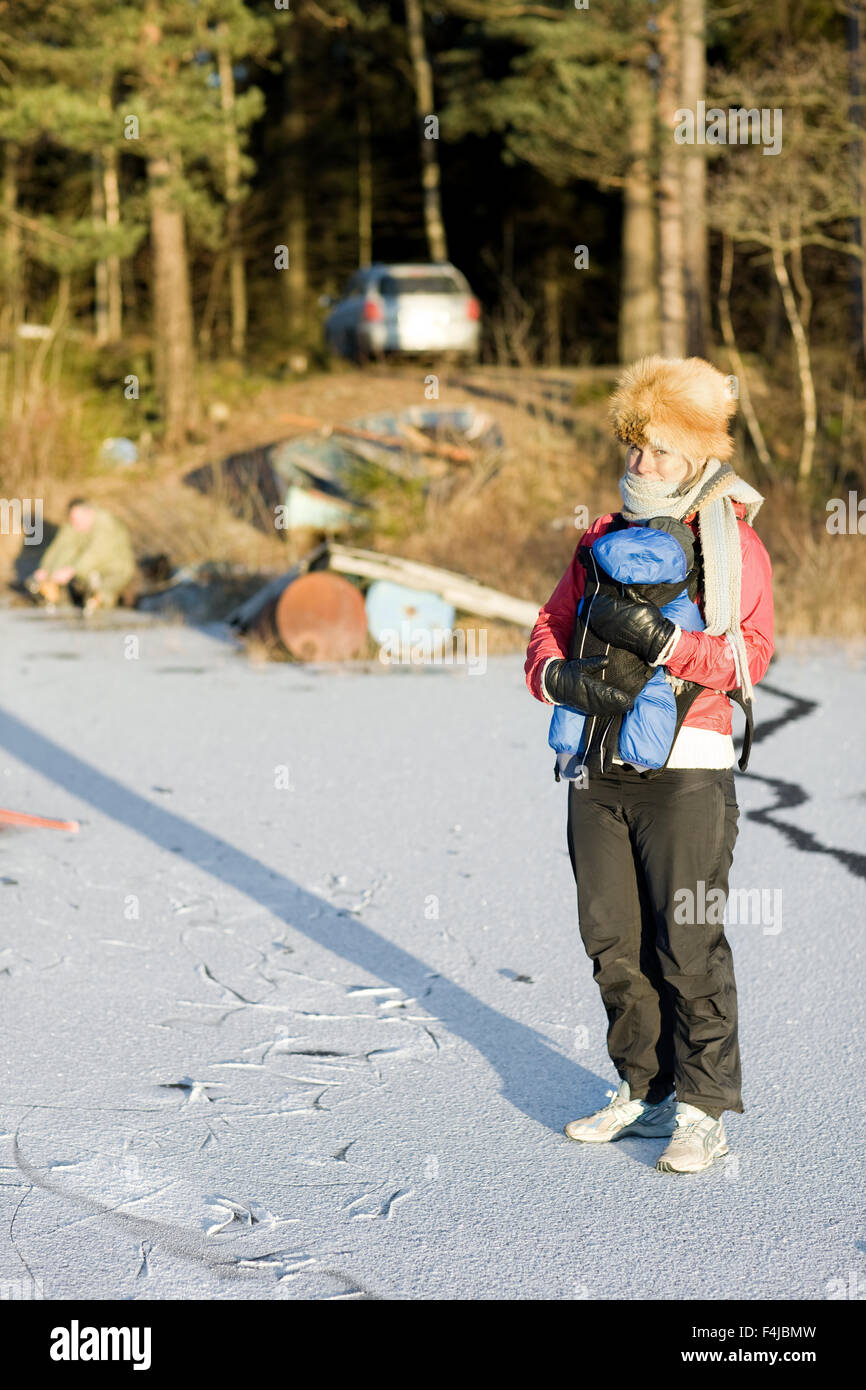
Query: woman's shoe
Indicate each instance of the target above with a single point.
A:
(698, 1141)
(625, 1116)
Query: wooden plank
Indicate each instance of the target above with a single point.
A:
(40, 822)
(452, 452)
(466, 594)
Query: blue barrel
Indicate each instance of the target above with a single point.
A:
(411, 617)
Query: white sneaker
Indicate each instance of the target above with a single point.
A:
(698, 1141)
(625, 1116)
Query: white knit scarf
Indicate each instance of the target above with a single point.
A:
(712, 496)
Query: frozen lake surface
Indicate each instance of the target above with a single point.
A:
(302, 1009)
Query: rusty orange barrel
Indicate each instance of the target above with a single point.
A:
(321, 617)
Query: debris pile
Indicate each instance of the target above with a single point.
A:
(313, 481)
(339, 597)
(317, 482)
(310, 609)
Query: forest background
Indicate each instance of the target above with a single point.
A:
(182, 181)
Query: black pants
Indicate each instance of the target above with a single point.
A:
(646, 852)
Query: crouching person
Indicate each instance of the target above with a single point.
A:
(91, 557)
(644, 841)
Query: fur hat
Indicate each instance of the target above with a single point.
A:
(682, 404)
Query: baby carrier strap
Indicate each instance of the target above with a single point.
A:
(624, 670)
(618, 523)
(748, 733)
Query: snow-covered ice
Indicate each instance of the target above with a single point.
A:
(302, 1009)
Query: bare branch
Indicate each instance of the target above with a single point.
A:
(19, 220)
(331, 21)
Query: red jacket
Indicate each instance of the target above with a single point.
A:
(698, 656)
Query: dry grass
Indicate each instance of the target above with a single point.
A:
(508, 522)
(819, 579)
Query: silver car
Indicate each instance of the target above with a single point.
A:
(405, 309)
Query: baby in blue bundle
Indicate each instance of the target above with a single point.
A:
(655, 563)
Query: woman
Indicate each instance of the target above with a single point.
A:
(647, 851)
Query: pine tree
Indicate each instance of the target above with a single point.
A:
(57, 96)
(576, 105)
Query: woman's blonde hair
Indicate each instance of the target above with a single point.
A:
(695, 469)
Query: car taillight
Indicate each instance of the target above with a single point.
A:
(373, 312)
(473, 309)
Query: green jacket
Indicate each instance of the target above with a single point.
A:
(105, 548)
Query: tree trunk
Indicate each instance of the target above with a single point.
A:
(11, 312)
(856, 49)
(11, 233)
(9, 197)
(365, 178)
(211, 299)
(100, 270)
(430, 173)
(696, 272)
(173, 351)
(552, 310)
(671, 285)
(105, 202)
(804, 364)
(237, 274)
(639, 296)
(727, 325)
(113, 291)
(798, 274)
(295, 205)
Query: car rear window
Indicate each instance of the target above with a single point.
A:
(393, 285)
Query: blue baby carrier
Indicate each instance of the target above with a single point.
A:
(652, 563)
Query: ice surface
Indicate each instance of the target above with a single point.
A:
(302, 1009)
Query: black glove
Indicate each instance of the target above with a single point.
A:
(632, 626)
(577, 684)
